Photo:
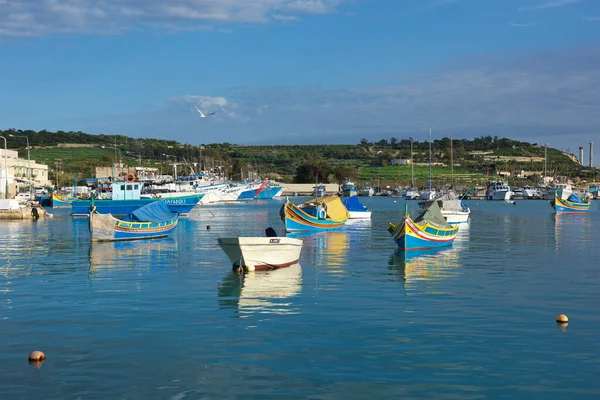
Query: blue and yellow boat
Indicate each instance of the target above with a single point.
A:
(573, 205)
(320, 214)
(58, 201)
(429, 230)
(151, 221)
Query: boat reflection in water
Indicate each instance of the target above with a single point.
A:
(131, 254)
(263, 292)
(329, 250)
(431, 264)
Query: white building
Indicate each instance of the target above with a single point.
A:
(17, 171)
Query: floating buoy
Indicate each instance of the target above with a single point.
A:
(36, 356)
(208, 227)
(562, 318)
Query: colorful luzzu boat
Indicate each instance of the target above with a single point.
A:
(319, 214)
(429, 230)
(152, 221)
(573, 205)
(59, 201)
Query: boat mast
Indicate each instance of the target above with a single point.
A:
(412, 165)
(451, 163)
(429, 159)
(545, 158)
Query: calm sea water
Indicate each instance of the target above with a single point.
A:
(168, 319)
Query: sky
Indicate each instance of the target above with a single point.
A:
(304, 71)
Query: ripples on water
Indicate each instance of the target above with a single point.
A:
(354, 319)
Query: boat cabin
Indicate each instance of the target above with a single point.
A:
(126, 190)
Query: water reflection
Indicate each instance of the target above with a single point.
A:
(572, 230)
(267, 292)
(432, 264)
(326, 249)
(131, 254)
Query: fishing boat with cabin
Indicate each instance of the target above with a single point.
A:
(427, 230)
(318, 214)
(126, 198)
(152, 221)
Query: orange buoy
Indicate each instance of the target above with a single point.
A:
(562, 318)
(36, 356)
(130, 177)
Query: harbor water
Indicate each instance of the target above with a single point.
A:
(169, 319)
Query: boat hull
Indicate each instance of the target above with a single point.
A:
(296, 220)
(106, 228)
(59, 201)
(269, 193)
(261, 253)
(410, 236)
(568, 207)
(456, 217)
(359, 214)
(180, 205)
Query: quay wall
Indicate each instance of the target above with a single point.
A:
(306, 189)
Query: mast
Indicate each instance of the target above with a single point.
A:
(545, 158)
(429, 159)
(451, 163)
(412, 165)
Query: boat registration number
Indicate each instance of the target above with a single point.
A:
(274, 240)
(175, 201)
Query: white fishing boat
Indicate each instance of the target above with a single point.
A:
(454, 210)
(561, 190)
(367, 191)
(529, 192)
(261, 253)
(498, 191)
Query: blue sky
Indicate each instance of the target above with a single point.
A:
(304, 71)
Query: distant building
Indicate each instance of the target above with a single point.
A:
(18, 171)
(400, 161)
(121, 170)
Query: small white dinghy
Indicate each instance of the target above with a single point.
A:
(261, 253)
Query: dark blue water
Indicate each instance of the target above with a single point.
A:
(168, 319)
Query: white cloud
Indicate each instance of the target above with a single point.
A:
(522, 24)
(46, 17)
(591, 18)
(548, 4)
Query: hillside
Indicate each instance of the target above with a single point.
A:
(364, 162)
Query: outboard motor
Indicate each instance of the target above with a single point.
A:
(270, 232)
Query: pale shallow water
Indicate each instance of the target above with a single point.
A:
(168, 319)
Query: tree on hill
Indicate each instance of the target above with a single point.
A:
(311, 170)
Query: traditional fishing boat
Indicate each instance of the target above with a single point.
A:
(261, 253)
(126, 198)
(427, 230)
(151, 221)
(572, 205)
(454, 210)
(58, 201)
(319, 214)
(356, 209)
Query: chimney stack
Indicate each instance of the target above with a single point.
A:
(581, 155)
(591, 154)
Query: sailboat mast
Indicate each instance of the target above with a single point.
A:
(412, 165)
(451, 163)
(430, 159)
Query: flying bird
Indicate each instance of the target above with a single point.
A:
(202, 115)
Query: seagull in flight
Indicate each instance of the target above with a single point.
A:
(202, 115)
